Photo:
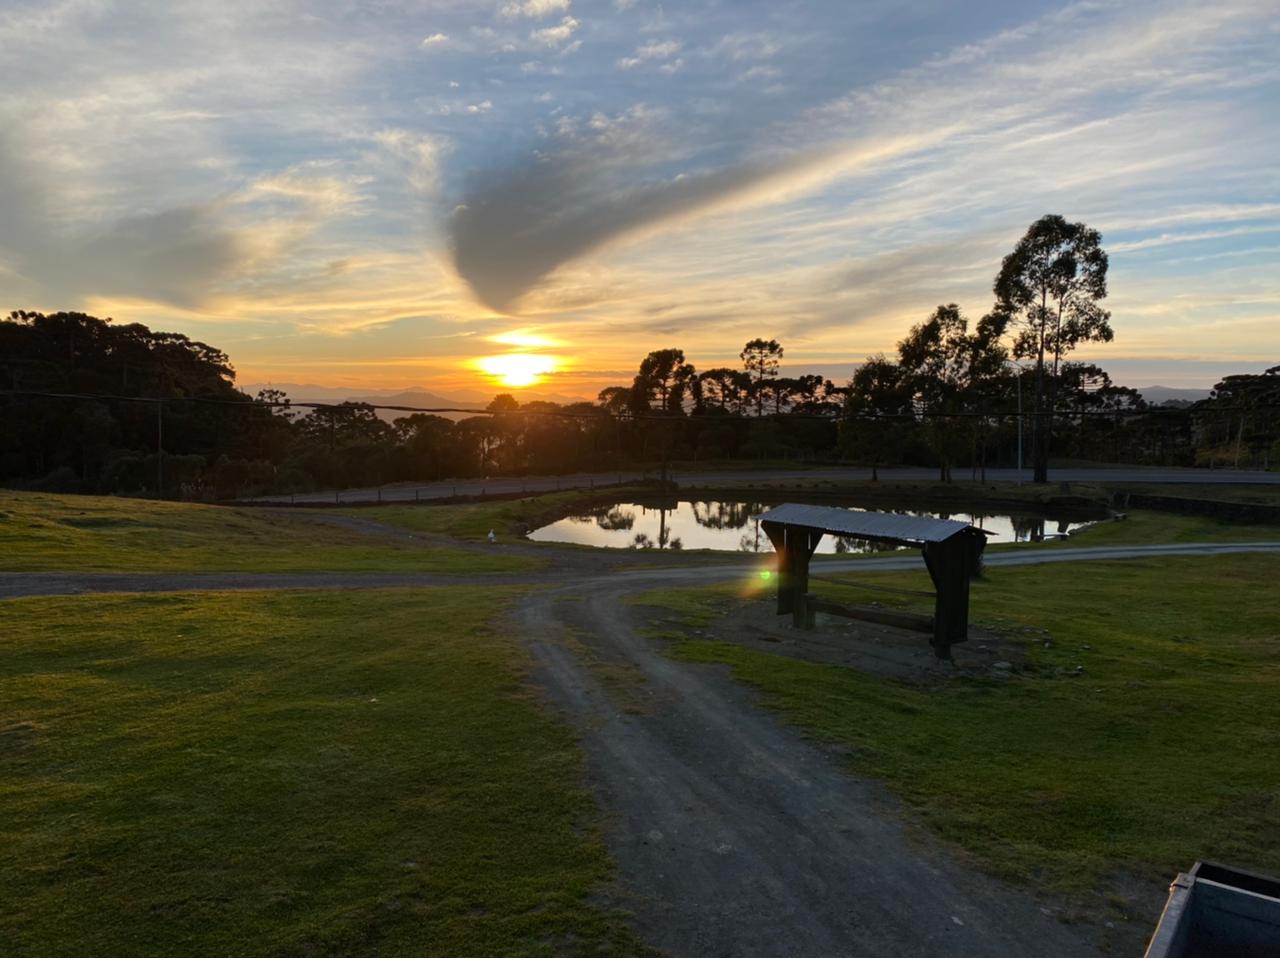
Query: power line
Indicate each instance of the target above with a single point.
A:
(601, 414)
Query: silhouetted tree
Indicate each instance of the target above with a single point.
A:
(1242, 416)
(724, 388)
(816, 395)
(878, 412)
(665, 376)
(946, 370)
(1051, 285)
(760, 358)
(428, 444)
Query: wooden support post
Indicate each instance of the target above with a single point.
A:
(802, 542)
(794, 546)
(808, 611)
(950, 563)
(778, 536)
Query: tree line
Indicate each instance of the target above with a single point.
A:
(87, 404)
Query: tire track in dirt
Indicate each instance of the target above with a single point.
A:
(735, 836)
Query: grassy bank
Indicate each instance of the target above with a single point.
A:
(907, 493)
(1160, 751)
(64, 533)
(1145, 527)
(280, 774)
(1268, 495)
(473, 520)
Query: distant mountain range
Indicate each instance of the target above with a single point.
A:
(417, 398)
(471, 399)
(1156, 395)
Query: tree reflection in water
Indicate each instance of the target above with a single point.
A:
(608, 518)
(664, 540)
(642, 541)
(614, 519)
(725, 515)
(728, 525)
(845, 545)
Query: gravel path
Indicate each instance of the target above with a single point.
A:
(591, 570)
(733, 834)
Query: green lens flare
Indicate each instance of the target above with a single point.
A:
(766, 575)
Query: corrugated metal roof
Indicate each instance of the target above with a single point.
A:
(872, 525)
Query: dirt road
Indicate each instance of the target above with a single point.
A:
(733, 834)
(570, 566)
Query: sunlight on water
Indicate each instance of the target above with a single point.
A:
(730, 526)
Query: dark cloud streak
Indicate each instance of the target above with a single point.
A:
(174, 256)
(515, 228)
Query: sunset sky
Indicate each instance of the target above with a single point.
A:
(383, 193)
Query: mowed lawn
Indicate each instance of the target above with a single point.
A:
(1146, 527)
(1163, 749)
(473, 520)
(287, 774)
(42, 532)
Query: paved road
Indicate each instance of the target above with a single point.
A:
(531, 484)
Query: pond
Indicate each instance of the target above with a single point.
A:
(730, 526)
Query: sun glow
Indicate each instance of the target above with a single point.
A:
(518, 370)
(524, 339)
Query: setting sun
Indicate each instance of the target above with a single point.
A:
(517, 370)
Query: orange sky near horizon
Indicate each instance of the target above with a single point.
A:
(474, 197)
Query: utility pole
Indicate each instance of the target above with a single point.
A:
(1019, 423)
(159, 449)
(1017, 367)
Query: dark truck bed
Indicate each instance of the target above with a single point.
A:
(1219, 911)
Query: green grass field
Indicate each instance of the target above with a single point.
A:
(1161, 752)
(287, 774)
(62, 533)
(1225, 492)
(1144, 527)
(327, 773)
(473, 520)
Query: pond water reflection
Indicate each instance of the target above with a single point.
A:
(729, 526)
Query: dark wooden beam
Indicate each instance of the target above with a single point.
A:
(915, 621)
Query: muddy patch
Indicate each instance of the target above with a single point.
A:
(881, 650)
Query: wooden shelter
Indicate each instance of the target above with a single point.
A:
(952, 553)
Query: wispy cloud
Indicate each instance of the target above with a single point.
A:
(824, 171)
(554, 36)
(419, 155)
(534, 8)
(663, 51)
